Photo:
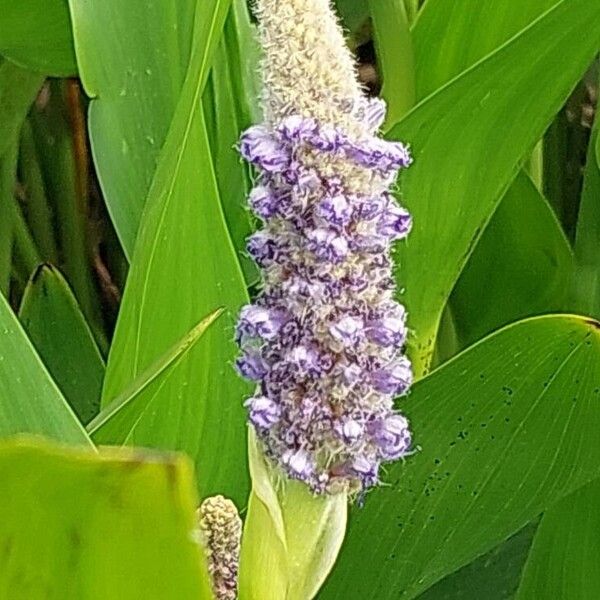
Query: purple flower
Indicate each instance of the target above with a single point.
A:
(374, 113)
(263, 248)
(256, 321)
(296, 128)
(263, 202)
(388, 331)
(305, 359)
(299, 463)
(263, 411)
(393, 379)
(392, 436)
(350, 430)
(334, 210)
(395, 222)
(327, 245)
(252, 366)
(260, 147)
(348, 330)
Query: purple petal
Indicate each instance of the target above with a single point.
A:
(252, 366)
(395, 379)
(259, 147)
(392, 436)
(328, 245)
(263, 412)
(348, 330)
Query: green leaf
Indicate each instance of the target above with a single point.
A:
(30, 402)
(144, 49)
(563, 562)
(184, 268)
(37, 34)
(503, 431)
(586, 281)
(81, 525)
(56, 326)
(464, 159)
(521, 266)
(291, 537)
(395, 59)
(18, 88)
(8, 173)
(355, 15)
(229, 109)
(452, 35)
(493, 576)
(113, 422)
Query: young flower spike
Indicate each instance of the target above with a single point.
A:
(324, 339)
(220, 529)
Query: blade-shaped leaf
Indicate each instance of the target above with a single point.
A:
(56, 326)
(504, 431)
(228, 108)
(37, 34)
(525, 261)
(81, 525)
(563, 562)
(451, 35)
(468, 140)
(18, 88)
(145, 49)
(30, 402)
(184, 268)
(586, 282)
(493, 576)
(113, 422)
(395, 58)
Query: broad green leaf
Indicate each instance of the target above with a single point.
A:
(113, 422)
(133, 57)
(493, 576)
(586, 281)
(79, 525)
(502, 432)
(30, 402)
(54, 322)
(228, 108)
(184, 268)
(37, 34)
(563, 562)
(18, 88)
(394, 55)
(452, 35)
(521, 266)
(291, 537)
(468, 141)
